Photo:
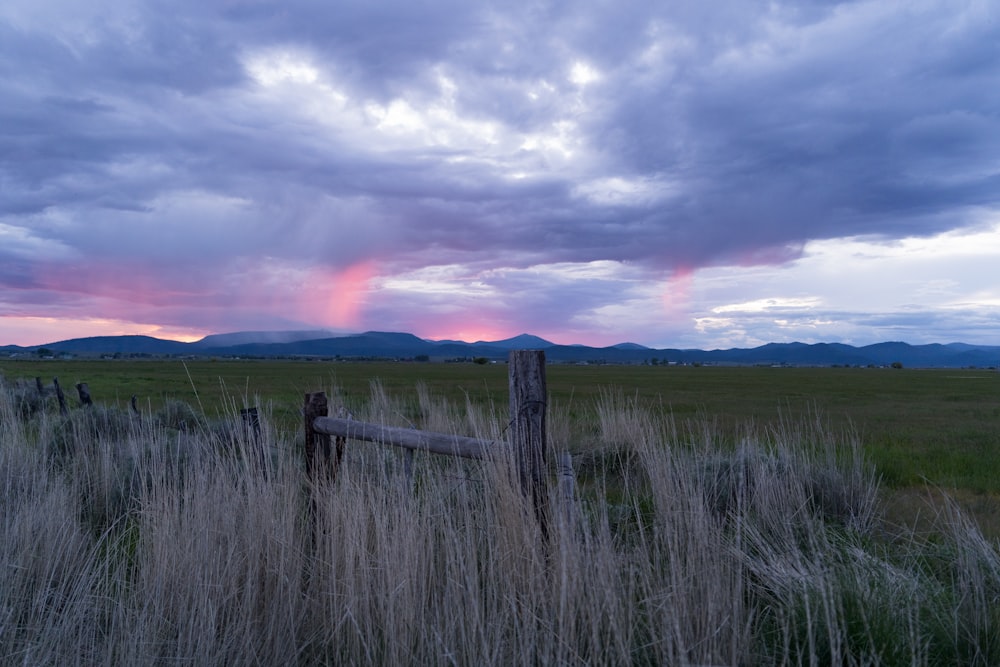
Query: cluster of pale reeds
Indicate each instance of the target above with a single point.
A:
(156, 539)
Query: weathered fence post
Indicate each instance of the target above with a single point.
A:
(251, 421)
(527, 415)
(254, 446)
(84, 391)
(61, 396)
(39, 386)
(316, 405)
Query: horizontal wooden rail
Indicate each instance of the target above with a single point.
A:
(438, 443)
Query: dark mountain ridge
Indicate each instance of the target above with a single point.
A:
(395, 345)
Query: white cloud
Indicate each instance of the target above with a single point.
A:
(933, 286)
(770, 304)
(621, 191)
(583, 74)
(277, 66)
(452, 281)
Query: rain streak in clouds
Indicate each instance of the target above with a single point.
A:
(681, 174)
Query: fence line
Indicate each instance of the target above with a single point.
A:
(527, 433)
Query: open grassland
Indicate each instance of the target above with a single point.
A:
(916, 426)
(151, 539)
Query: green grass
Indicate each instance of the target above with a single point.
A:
(917, 426)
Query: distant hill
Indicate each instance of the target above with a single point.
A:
(395, 345)
(630, 346)
(119, 344)
(252, 337)
(521, 342)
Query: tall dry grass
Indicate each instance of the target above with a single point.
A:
(128, 540)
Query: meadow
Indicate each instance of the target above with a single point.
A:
(916, 426)
(726, 516)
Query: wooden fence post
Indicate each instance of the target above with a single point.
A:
(527, 415)
(84, 391)
(61, 396)
(316, 405)
(254, 447)
(251, 421)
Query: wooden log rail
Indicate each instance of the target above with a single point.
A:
(437, 443)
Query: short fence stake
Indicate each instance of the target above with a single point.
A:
(84, 392)
(255, 447)
(251, 421)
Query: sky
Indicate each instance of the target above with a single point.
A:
(676, 174)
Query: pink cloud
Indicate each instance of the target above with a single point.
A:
(340, 296)
(676, 297)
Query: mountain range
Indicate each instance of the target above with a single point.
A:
(378, 344)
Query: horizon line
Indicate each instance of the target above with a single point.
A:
(456, 340)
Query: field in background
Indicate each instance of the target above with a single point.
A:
(916, 426)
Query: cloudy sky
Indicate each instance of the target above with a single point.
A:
(676, 174)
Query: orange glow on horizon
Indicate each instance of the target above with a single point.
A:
(27, 331)
(463, 328)
(185, 337)
(466, 328)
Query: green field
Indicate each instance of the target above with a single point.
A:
(939, 426)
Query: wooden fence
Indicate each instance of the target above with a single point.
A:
(82, 389)
(527, 433)
(526, 429)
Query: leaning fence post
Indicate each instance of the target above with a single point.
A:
(527, 416)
